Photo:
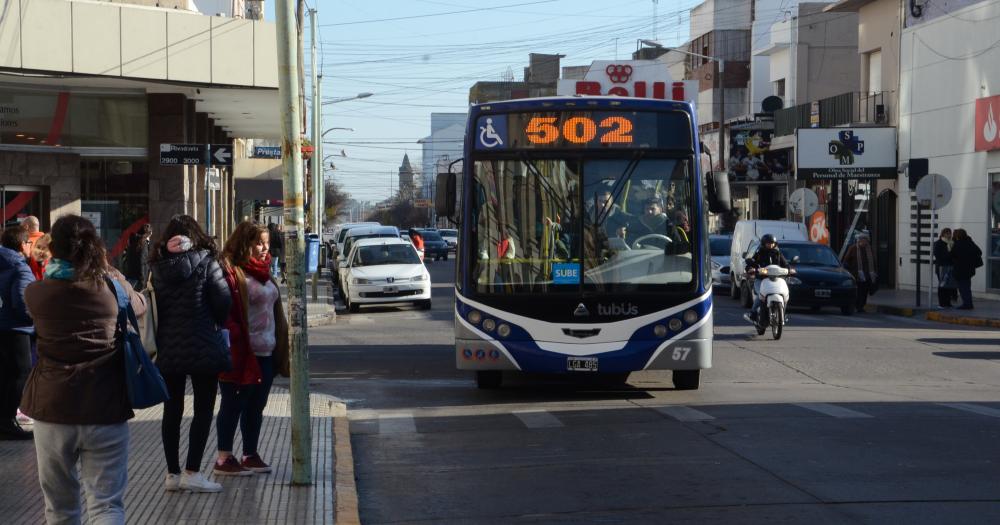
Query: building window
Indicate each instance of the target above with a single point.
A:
(114, 195)
(873, 60)
(779, 88)
(993, 250)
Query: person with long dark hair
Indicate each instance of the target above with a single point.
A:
(15, 329)
(192, 304)
(258, 333)
(965, 258)
(944, 269)
(76, 393)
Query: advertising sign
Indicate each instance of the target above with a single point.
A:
(987, 115)
(846, 153)
(751, 158)
(629, 78)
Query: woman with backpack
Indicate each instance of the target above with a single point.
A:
(192, 304)
(965, 258)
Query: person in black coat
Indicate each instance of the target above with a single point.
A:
(965, 258)
(192, 304)
(277, 250)
(944, 270)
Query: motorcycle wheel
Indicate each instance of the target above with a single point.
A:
(777, 320)
(746, 295)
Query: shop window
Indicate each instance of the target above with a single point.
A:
(992, 251)
(115, 197)
(779, 88)
(64, 118)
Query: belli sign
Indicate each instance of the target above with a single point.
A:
(987, 118)
(629, 78)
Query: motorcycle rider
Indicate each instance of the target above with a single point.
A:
(767, 254)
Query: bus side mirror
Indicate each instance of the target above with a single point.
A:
(718, 192)
(444, 197)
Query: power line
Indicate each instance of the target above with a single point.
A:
(411, 17)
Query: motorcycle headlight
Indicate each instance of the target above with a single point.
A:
(358, 280)
(794, 281)
(848, 283)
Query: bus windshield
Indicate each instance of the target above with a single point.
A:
(571, 225)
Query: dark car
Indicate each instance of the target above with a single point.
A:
(820, 280)
(435, 247)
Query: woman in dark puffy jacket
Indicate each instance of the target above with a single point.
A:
(192, 303)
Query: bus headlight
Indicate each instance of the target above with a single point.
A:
(660, 330)
(675, 324)
(503, 330)
(489, 325)
(690, 317)
(475, 317)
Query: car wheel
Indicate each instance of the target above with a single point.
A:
(489, 379)
(687, 379)
(425, 304)
(734, 291)
(847, 309)
(746, 295)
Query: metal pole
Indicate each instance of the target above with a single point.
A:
(933, 207)
(919, 234)
(316, 169)
(722, 115)
(291, 163)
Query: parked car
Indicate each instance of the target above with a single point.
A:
(385, 270)
(435, 247)
(746, 238)
(450, 237)
(820, 279)
(361, 232)
(720, 247)
(340, 234)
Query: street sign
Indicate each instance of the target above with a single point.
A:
(803, 198)
(213, 180)
(934, 192)
(267, 152)
(220, 154)
(182, 154)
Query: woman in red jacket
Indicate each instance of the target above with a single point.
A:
(258, 335)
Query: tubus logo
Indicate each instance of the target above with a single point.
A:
(581, 311)
(619, 74)
(618, 309)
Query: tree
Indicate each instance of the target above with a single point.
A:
(402, 214)
(335, 200)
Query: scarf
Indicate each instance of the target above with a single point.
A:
(259, 269)
(60, 269)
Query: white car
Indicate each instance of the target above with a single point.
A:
(450, 237)
(384, 270)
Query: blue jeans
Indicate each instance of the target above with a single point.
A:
(275, 266)
(102, 451)
(244, 405)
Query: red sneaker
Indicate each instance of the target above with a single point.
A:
(255, 464)
(230, 467)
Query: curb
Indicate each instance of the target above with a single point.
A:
(966, 321)
(901, 311)
(345, 485)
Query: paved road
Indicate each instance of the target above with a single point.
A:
(863, 419)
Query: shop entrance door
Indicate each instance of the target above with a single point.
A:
(885, 238)
(18, 202)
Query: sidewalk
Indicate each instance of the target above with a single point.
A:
(902, 302)
(265, 498)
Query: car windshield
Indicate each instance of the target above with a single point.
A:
(810, 254)
(720, 245)
(563, 225)
(431, 235)
(449, 233)
(386, 254)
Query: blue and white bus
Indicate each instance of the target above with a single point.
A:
(583, 244)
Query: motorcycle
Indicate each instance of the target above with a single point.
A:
(773, 299)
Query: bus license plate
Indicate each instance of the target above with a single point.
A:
(822, 293)
(581, 364)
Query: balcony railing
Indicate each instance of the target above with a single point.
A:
(839, 110)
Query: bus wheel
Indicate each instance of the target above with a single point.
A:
(489, 379)
(687, 379)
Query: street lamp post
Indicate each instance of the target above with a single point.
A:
(722, 91)
(331, 129)
(345, 99)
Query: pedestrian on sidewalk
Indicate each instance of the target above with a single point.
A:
(40, 256)
(947, 288)
(277, 249)
(258, 332)
(77, 394)
(34, 227)
(965, 258)
(192, 304)
(860, 261)
(137, 255)
(16, 329)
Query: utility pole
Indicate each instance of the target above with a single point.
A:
(315, 203)
(291, 164)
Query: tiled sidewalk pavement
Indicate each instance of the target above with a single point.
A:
(263, 498)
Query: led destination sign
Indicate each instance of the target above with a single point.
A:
(584, 130)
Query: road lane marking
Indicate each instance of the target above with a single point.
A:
(538, 419)
(682, 413)
(833, 410)
(975, 409)
(396, 424)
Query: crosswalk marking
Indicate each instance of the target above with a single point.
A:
(538, 419)
(682, 413)
(396, 424)
(833, 410)
(975, 409)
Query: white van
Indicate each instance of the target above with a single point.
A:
(746, 238)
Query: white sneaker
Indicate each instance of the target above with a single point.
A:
(197, 483)
(172, 482)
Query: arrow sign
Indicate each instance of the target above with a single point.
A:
(221, 154)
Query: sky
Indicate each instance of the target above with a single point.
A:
(422, 56)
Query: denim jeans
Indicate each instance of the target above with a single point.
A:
(102, 451)
(244, 405)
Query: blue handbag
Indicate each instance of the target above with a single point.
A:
(146, 387)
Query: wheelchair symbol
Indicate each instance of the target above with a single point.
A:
(487, 132)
